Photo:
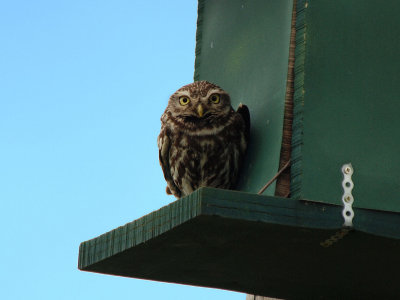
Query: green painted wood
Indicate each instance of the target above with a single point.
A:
(346, 101)
(268, 245)
(243, 46)
(254, 244)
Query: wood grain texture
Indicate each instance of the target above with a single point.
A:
(283, 182)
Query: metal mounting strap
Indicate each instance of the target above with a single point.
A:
(347, 198)
(348, 213)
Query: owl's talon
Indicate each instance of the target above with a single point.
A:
(168, 191)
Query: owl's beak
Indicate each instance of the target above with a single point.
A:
(200, 110)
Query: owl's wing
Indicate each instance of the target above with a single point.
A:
(164, 145)
(245, 114)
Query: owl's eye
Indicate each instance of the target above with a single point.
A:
(183, 100)
(215, 98)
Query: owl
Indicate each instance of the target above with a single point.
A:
(202, 140)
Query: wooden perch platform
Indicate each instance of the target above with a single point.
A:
(254, 244)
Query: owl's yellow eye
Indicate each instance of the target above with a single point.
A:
(183, 100)
(215, 98)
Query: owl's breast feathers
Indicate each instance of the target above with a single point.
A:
(209, 155)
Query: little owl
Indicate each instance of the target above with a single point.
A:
(202, 140)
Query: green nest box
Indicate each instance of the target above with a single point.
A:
(346, 108)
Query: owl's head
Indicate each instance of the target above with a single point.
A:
(199, 102)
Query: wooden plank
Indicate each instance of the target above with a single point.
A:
(252, 244)
(346, 107)
(243, 46)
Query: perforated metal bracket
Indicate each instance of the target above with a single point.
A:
(347, 198)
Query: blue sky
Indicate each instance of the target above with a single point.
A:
(82, 87)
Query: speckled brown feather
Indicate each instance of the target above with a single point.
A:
(202, 151)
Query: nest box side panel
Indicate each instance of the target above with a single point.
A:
(243, 46)
(346, 101)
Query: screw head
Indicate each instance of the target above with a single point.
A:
(347, 170)
(347, 199)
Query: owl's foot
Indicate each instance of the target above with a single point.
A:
(168, 191)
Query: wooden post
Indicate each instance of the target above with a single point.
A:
(254, 297)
